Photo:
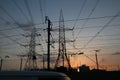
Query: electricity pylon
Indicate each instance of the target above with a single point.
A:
(31, 62)
(62, 55)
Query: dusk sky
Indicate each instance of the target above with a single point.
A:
(95, 24)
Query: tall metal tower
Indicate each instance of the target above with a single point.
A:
(62, 55)
(31, 62)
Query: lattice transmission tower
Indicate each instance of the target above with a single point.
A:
(62, 55)
(31, 62)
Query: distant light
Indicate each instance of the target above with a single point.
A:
(78, 70)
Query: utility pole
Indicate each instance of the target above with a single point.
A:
(96, 51)
(43, 62)
(21, 60)
(48, 46)
(1, 63)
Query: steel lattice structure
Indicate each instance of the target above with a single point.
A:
(62, 55)
(31, 62)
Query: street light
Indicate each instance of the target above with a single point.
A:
(96, 51)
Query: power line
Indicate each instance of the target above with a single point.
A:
(28, 8)
(101, 29)
(96, 27)
(88, 17)
(3, 19)
(9, 36)
(41, 9)
(103, 39)
(97, 2)
(7, 13)
(89, 58)
(44, 5)
(96, 46)
(13, 20)
(91, 18)
(54, 31)
(20, 9)
(79, 13)
(107, 44)
(78, 18)
(19, 26)
(42, 15)
(4, 10)
(93, 47)
(100, 35)
(13, 40)
(43, 40)
(41, 44)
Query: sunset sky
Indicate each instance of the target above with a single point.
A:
(95, 24)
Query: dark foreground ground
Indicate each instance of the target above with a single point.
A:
(87, 75)
(94, 75)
